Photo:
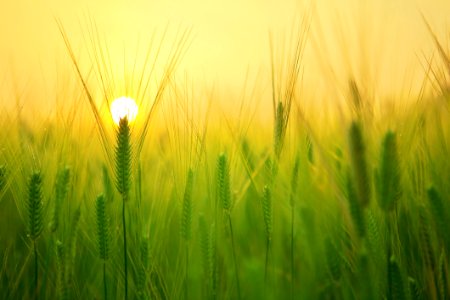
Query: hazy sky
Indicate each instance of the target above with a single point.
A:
(228, 37)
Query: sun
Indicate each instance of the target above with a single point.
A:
(123, 107)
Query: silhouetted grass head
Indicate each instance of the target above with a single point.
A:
(123, 158)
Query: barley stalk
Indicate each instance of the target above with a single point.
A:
(123, 172)
(359, 164)
(388, 180)
(224, 192)
(35, 219)
(293, 196)
(103, 236)
(186, 224)
(61, 189)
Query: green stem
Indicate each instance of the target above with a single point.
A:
(35, 270)
(186, 279)
(292, 252)
(105, 291)
(266, 266)
(234, 258)
(125, 249)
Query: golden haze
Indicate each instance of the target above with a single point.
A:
(377, 41)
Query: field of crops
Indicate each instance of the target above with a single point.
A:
(213, 201)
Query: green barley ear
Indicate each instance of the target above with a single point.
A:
(267, 211)
(103, 234)
(374, 238)
(34, 205)
(438, 211)
(61, 188)
(223, 187)
(270, 169)
(396, 289)
(35, 220)
(388, 179)
(355, 207)
(223, 182)
(186, 218)
(279, 129)
(359, 164)
(123, 158)
(123, 172)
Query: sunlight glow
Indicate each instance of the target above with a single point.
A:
(123, 107)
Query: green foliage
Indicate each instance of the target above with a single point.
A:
(283, 229)
(294, 180)
(396, 288)
(71, 249)
(61, 189)
(333, 256)
(158, 287)
(35, 206)
(439, 214)
(267, 211)
(143, 269)
(107, 184)
(414, 289)
(443, 279)
(2, 177)
(310, 149)
(62, 290)
(186, 218)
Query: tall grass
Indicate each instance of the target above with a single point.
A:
(123, 182)
(226, 210)
(35, 220)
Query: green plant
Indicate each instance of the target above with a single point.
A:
(35, 219)
(102, 236)
(61, 189)
(123, 182)
(186, 222)
(388, 179)
(224, 191)
(359, 168)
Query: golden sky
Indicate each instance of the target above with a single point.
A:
(370, 38)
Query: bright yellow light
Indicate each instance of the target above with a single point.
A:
(123, 107)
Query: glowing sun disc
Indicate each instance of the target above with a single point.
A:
(123, 107)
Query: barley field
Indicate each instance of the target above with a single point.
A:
(137, 182)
